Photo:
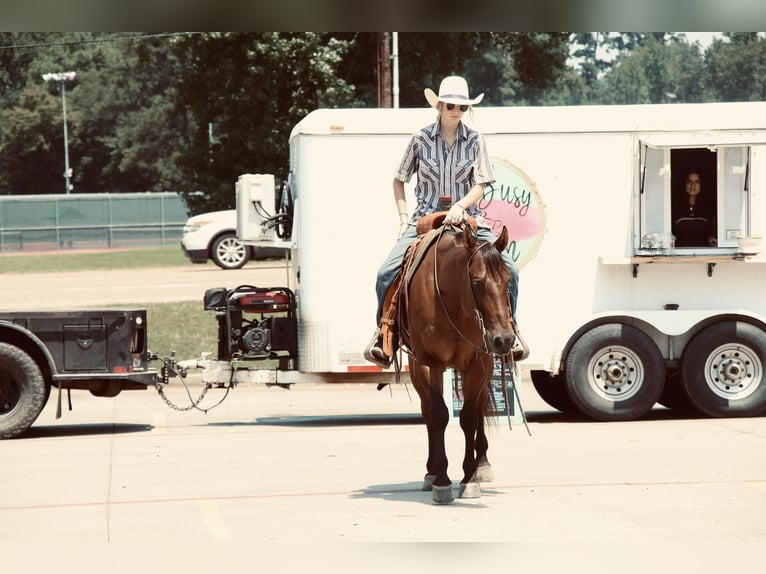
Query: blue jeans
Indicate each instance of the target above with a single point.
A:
(393, 263)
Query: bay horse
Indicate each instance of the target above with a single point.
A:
(456, 313)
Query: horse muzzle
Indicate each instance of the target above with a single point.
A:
(500, 344)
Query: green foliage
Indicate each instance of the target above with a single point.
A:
(184, 327)
(244, 93)
(736, 70)
(191, 112)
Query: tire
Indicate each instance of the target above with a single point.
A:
(228, 253)
(614, 372)
(553, 390)
(722, 369)
(23, 392)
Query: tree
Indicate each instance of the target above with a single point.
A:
(655, 73)
(32, 132)
(736, 69)
(243, 93)
(122, 133)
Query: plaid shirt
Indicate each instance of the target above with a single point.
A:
(445, 172)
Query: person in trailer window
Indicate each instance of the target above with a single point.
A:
(694, 227)
(452, 165)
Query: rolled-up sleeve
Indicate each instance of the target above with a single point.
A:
(482, 165)
(408, 165)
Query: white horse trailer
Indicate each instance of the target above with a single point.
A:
(616, 316)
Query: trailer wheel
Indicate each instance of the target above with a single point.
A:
(553, 390)
(614, 372)
(722, 370)
(22, 391)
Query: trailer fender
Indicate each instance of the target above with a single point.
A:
(31, 344)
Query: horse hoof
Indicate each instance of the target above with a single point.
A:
(428, 481)
(470, 490)
(484, 473)
(442, 494)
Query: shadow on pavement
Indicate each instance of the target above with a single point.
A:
(331, 420)
(56, 431)
(413, 492)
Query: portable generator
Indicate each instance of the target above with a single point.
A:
(255, 324)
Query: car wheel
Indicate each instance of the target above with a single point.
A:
(228, 253)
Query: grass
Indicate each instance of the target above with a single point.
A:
(185, 328)
(168, 256)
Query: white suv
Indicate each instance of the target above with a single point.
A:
(214, 236)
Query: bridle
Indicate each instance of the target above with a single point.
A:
(479, 317)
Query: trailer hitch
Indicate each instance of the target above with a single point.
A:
(169, 368)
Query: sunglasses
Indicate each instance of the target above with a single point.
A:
(463, 107)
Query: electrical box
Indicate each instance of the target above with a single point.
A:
(255, 206)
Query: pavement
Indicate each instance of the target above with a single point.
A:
(336, 463)
(313, 477)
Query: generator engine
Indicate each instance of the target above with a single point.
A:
(255, 323)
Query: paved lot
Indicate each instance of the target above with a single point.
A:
(334, 463)
(339, 462)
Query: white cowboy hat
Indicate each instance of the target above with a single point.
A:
(452, 90)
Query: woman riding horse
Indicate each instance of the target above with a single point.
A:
(453, 166)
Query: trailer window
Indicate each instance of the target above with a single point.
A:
(697, 196)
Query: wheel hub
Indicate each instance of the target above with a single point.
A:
(615, 373)
(733, 371)
(9, 394)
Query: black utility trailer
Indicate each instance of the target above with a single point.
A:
(101, 351)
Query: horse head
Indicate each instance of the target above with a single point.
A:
(489, 278)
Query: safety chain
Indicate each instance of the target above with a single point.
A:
(193, 405)
(169, 367)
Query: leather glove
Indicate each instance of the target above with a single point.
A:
(455, 215)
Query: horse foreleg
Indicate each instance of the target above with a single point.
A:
(421, 380)
(475, 464)
(483, 468)
(469, 486)
(441, 485)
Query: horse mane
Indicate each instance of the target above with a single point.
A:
(493, 261)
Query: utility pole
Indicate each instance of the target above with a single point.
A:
(384, 69)
(395, 64)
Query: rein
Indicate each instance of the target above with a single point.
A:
(479, 318)
(506, 361)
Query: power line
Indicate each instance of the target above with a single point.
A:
(99, 40)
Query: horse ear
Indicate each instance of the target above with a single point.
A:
(469, 236)
(502, 241)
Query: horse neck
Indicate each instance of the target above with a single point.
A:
(453, 268)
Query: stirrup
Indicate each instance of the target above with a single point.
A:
(375, 354)
(520, 350)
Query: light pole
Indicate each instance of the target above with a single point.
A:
(62, 78)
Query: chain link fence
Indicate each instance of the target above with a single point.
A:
(90, 221)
